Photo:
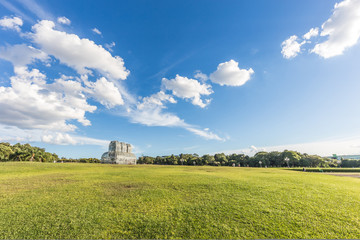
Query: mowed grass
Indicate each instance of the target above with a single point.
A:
(69, 201)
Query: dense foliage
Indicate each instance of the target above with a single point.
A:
(261, 159)
(350, 163)
(25, 152)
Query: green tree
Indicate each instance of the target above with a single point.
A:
(221, 158)
(208, 159)
(294, 158)
(5, 151)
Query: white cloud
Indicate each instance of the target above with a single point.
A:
(80, 54)
(313, 32)
(187, 88)
(31, 103)
(291, 47)
(157, 99)
(22, 54)
(205, 134)
(46, 108)
(229, 73)
(154, 116)
(109, 46)
(105, 92)
(150, 112)
(15, 134)
(97, 31)
(63, 20)
(91, 141)
(342, 29)
(59, 139)
(201, 76)
(340, 32)
(13, 23)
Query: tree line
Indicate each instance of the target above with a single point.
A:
(260, 159)
(350, 163)
(26, 152)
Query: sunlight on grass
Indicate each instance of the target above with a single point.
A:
(45, 200)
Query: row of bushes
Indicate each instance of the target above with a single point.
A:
(79, 160)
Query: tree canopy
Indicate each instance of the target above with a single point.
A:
(25, 152)
(260, 159)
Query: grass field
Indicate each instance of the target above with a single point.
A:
(45, 200)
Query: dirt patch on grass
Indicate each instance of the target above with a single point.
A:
(354, 175)
(115, 188)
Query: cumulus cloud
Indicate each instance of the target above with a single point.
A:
(157, 99)
(105, 92)
(59, 139)
(340, 32)
(63, 20)
(188, 88)
(291, 47)
(13, 23)
(47, 108)
(154, 116)
(97, 31)
(31, 103)
(150, 112)
(342, 29)
(313, 32)
(229, 74)
(22, 54)
(15, 134)
(79, 53)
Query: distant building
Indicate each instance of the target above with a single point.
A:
(119, 153)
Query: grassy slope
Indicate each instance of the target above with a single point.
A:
(45, 200)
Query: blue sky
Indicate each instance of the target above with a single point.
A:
(174, 77)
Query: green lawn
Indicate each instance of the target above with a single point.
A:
(46, 200)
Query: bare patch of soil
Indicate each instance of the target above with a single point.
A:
(355, 175)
